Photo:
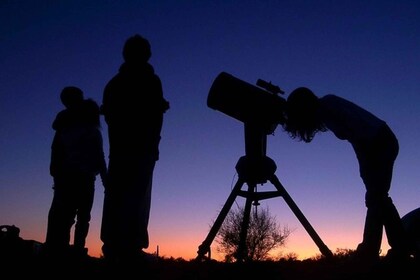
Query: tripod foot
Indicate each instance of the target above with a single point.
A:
(201, 253)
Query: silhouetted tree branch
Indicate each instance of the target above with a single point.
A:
(263, 234)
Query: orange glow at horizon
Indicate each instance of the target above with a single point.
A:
(184, 239)
(185, 246)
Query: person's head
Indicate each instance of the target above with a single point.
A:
(137, 49)
(302, 121)
(71, 96)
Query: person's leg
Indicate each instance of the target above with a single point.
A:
(85, 203)
(145, 180)
(397, 237)
(376, 162)
(369, 248)
(145, 205)
(60, 220)
(136, 206)
(118, 208)
(111, 213)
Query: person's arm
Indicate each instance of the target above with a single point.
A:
(56, 156)
(101, 159)
(103, 171)
(164, 104)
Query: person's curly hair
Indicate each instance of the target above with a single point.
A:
(302, 121)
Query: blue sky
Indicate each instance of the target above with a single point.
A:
(365, 51)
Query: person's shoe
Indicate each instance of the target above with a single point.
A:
(147, 257)
(80, 253)
(365, 258)
(134, 260)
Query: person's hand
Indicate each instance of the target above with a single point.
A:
(165, 106)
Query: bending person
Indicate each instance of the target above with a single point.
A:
(376, 148)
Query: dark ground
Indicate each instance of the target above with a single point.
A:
(25, 258)
(174, 269)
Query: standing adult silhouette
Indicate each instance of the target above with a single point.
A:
(376, 148)
(77, 157)
(133, 106)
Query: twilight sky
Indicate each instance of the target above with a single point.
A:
(365, 51)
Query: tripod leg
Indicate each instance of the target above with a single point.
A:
(242, 252)
(322, 247)
(205, 246)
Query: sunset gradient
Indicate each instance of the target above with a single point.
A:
(365, 51)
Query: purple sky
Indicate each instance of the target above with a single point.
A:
(365, 51)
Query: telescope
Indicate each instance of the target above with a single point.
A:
(257, 106)
(261, 109)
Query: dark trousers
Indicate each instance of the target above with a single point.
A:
(376, 161)
(126, 209)
(71, 205)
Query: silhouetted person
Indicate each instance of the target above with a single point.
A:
(376, 148)
(133, 106)
(411, 223)
(72, 98)
(77, 157)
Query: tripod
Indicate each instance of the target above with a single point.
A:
(256, 168)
